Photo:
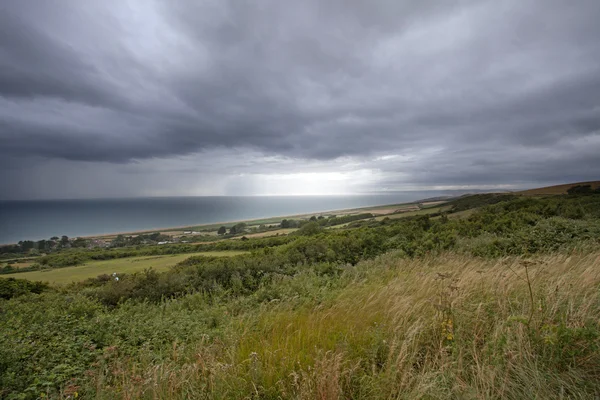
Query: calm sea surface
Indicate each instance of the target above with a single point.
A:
(42, 219)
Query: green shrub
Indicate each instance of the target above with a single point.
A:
(11, 287)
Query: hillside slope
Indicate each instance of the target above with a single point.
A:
(557, 189)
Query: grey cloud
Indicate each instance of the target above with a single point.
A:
(474, 82)
(34, 65)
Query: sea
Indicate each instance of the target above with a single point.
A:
(42, 219)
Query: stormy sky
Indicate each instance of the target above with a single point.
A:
(115, 98)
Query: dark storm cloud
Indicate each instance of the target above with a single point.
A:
(477, 83)
(32, 65)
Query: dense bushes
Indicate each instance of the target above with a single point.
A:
(56, 342)
(582, 189)
(11, 287)
(241, 274)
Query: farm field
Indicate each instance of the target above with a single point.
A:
(424, 211)
(412, 213)
(120, 266)
(283, 231)
(19, 265)
(462, 214)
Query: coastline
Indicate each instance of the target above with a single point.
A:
(271, 219)
(254, 220)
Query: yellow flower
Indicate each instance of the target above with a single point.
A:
(447, 329)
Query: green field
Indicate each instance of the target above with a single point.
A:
(284, 231)
(424, 211)
(120, 266)
(405, 214)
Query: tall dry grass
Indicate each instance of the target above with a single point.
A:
(450, 326)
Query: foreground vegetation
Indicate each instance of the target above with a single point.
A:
(502, 303)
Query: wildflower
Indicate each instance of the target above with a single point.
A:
(448, 329)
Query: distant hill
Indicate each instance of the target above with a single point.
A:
(558, 189)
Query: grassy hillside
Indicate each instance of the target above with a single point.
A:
(558, 189)
(501, 303)
(445, 326)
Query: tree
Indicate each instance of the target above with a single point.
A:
(64, 241)
(313, 218)
(290, 223)
(312, 228)
(26, 245)
(155, 236)
(238, 228)
(222, 230)
(119, 241)
(80, 242)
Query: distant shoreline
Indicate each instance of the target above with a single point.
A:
(275, 218)
(249, 221)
